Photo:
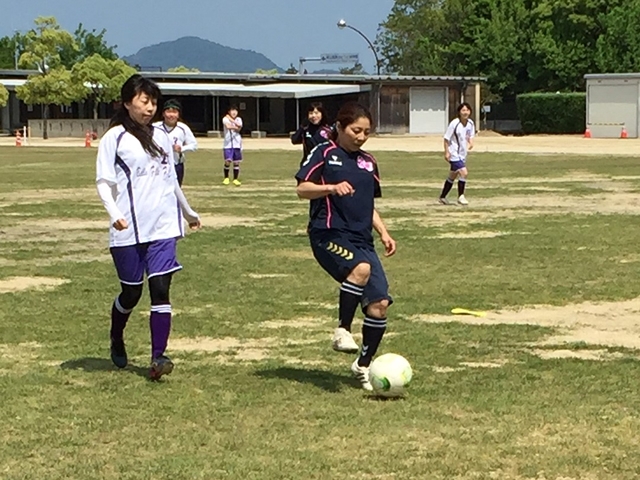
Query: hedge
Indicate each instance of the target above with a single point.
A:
(552, 112)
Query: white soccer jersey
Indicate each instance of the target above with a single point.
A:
(458, 136)
(144, 187)
(232, 138)
(181, 135)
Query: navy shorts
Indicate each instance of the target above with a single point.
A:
(153, 258)
(338, 256)
(232, 154)
(455, 166)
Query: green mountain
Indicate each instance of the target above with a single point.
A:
(206, 56)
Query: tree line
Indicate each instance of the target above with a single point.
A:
(519, 45)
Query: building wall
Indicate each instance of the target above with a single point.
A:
(613, 104)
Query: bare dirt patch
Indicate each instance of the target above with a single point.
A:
(476, 234)
(302, 323)
(596, 355)
(614, 324)
(18, 284)
(224, 221)
(268, 275)
(232, 350)
(22, 197)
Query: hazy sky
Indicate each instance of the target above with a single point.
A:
(283, 30)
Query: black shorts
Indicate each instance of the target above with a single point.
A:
(338, 256)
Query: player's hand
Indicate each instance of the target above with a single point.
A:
(389, 243)
(193, 221)
(120, 224)
(447, 156)
(470, 147)
(177, 148)
(343, 188)
(195, 225)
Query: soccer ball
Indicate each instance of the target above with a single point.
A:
(389, 374)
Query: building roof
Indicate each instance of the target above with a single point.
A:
(611, 76)
(320, 78)
(267, 90)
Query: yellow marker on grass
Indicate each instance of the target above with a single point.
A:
(464, 311)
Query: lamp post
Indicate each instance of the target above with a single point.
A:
(342, 24)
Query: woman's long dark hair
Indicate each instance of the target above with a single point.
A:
(324, 121)
(135, 85)
(348, 114)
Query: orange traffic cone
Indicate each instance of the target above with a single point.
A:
(87, 139)
(587, 133)
(624, 133)
(18, 138)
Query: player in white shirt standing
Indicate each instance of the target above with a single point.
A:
(180, 134)
(232, 147)
(137, 183)
(458, 141)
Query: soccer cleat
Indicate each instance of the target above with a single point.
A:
(362, 374)
(462, 200)
(237, 182)
(443, 201)
(160, 366)
(118, 353)
(343, 341)
(226, 181)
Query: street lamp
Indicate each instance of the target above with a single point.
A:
(342, 24)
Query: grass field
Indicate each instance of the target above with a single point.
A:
(546, 387)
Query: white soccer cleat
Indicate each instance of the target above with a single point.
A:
(462, 200)
(343, 341)
(362, 374)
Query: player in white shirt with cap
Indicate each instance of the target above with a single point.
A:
(181, 136)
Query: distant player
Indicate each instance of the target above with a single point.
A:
(232, 147)
(137, 183)
(458, 141)
(180, 134)
(342, 181)
(313, 132)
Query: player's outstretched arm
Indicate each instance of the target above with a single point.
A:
(389, 243)
(190, 216)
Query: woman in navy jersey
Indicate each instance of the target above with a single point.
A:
(313, 132)
(341, 181)
(137, 183)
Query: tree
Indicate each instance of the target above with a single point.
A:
(88, 44)
(183, 69)
(357, 69)
(101, 79)
(10, 49)
(4, 95)
(618, 48)
(519, 45)
(53, 85)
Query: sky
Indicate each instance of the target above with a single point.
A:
(283, 30)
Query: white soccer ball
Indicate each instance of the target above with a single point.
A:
(389, 375)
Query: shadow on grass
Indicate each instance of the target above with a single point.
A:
(331, 382)
(93, 364)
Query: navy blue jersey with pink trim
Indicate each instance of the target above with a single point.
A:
(329, 164)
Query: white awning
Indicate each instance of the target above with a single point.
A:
(12, 83)
(269, 90)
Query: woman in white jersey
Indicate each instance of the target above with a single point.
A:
(180, 134)
(137, 183)
(458, 141)
(232, 147)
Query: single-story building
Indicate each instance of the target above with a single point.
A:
(613, 103)
(276, 104)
